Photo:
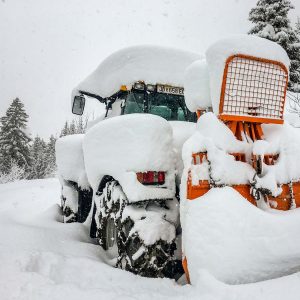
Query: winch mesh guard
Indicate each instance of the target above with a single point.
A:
(253, 90)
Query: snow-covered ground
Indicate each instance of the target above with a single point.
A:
(42, 258)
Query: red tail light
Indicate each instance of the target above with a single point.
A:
(151, 178)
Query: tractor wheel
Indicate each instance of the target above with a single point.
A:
(69, 203)
(117, 235)
(76, 202)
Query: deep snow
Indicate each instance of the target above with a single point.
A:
(238, 242)
(42, 258)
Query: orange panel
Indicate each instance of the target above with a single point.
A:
(244, 190)
(199, 157)
(283, 201)
(200, 112)
(250, 119)
(196, 191)
(186, 270)
(296, 190)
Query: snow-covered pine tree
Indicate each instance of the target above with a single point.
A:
(297, 31)
(81, 124)
(14, 139)
(72, 127)
(76, 126)
(297, 27)
(39, 159)
(271, 22)
(50, 156)
(65, 130)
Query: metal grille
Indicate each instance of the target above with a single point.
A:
(254, 88)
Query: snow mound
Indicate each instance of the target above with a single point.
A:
(217, 54)
(55, 261)
(237, 242)
(181, 132)
(69, 159)
(124, 145)
(152, 64)
(196, 86)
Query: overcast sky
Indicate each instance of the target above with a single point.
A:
(48, 46)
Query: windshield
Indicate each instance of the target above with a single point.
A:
(169, 107)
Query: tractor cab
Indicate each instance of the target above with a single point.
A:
(157, 99)
(141, 79)
(161, 100)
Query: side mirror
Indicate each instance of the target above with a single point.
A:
(78, 105)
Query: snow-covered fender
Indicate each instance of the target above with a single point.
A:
(124, 145)
(70, 161)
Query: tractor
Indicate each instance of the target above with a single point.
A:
(122, 176)
(127, 176)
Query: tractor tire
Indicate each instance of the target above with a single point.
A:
(75, 202)
(117, 237)
(69, 203)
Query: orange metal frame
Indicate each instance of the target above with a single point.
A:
(223, 89)
(250, 128)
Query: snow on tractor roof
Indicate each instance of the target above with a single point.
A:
(219, 52)
(151, 64)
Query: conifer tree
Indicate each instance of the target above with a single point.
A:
(81, 125)
(271, 22)
(65, 131)
(77, 126)
(297, 28)
(50, 156)
(14, 139)
(39, 159)
(72, 129)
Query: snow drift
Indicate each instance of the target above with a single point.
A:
(69, 159)
(236, 241)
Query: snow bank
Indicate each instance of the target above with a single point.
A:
(69, 159)
(152, 64)
(217, 54)
(237, 242)
(55, 261)
(181, 132)
(124, 145)
(196, 86)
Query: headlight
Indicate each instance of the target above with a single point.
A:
(151, 87)
(139, 86)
